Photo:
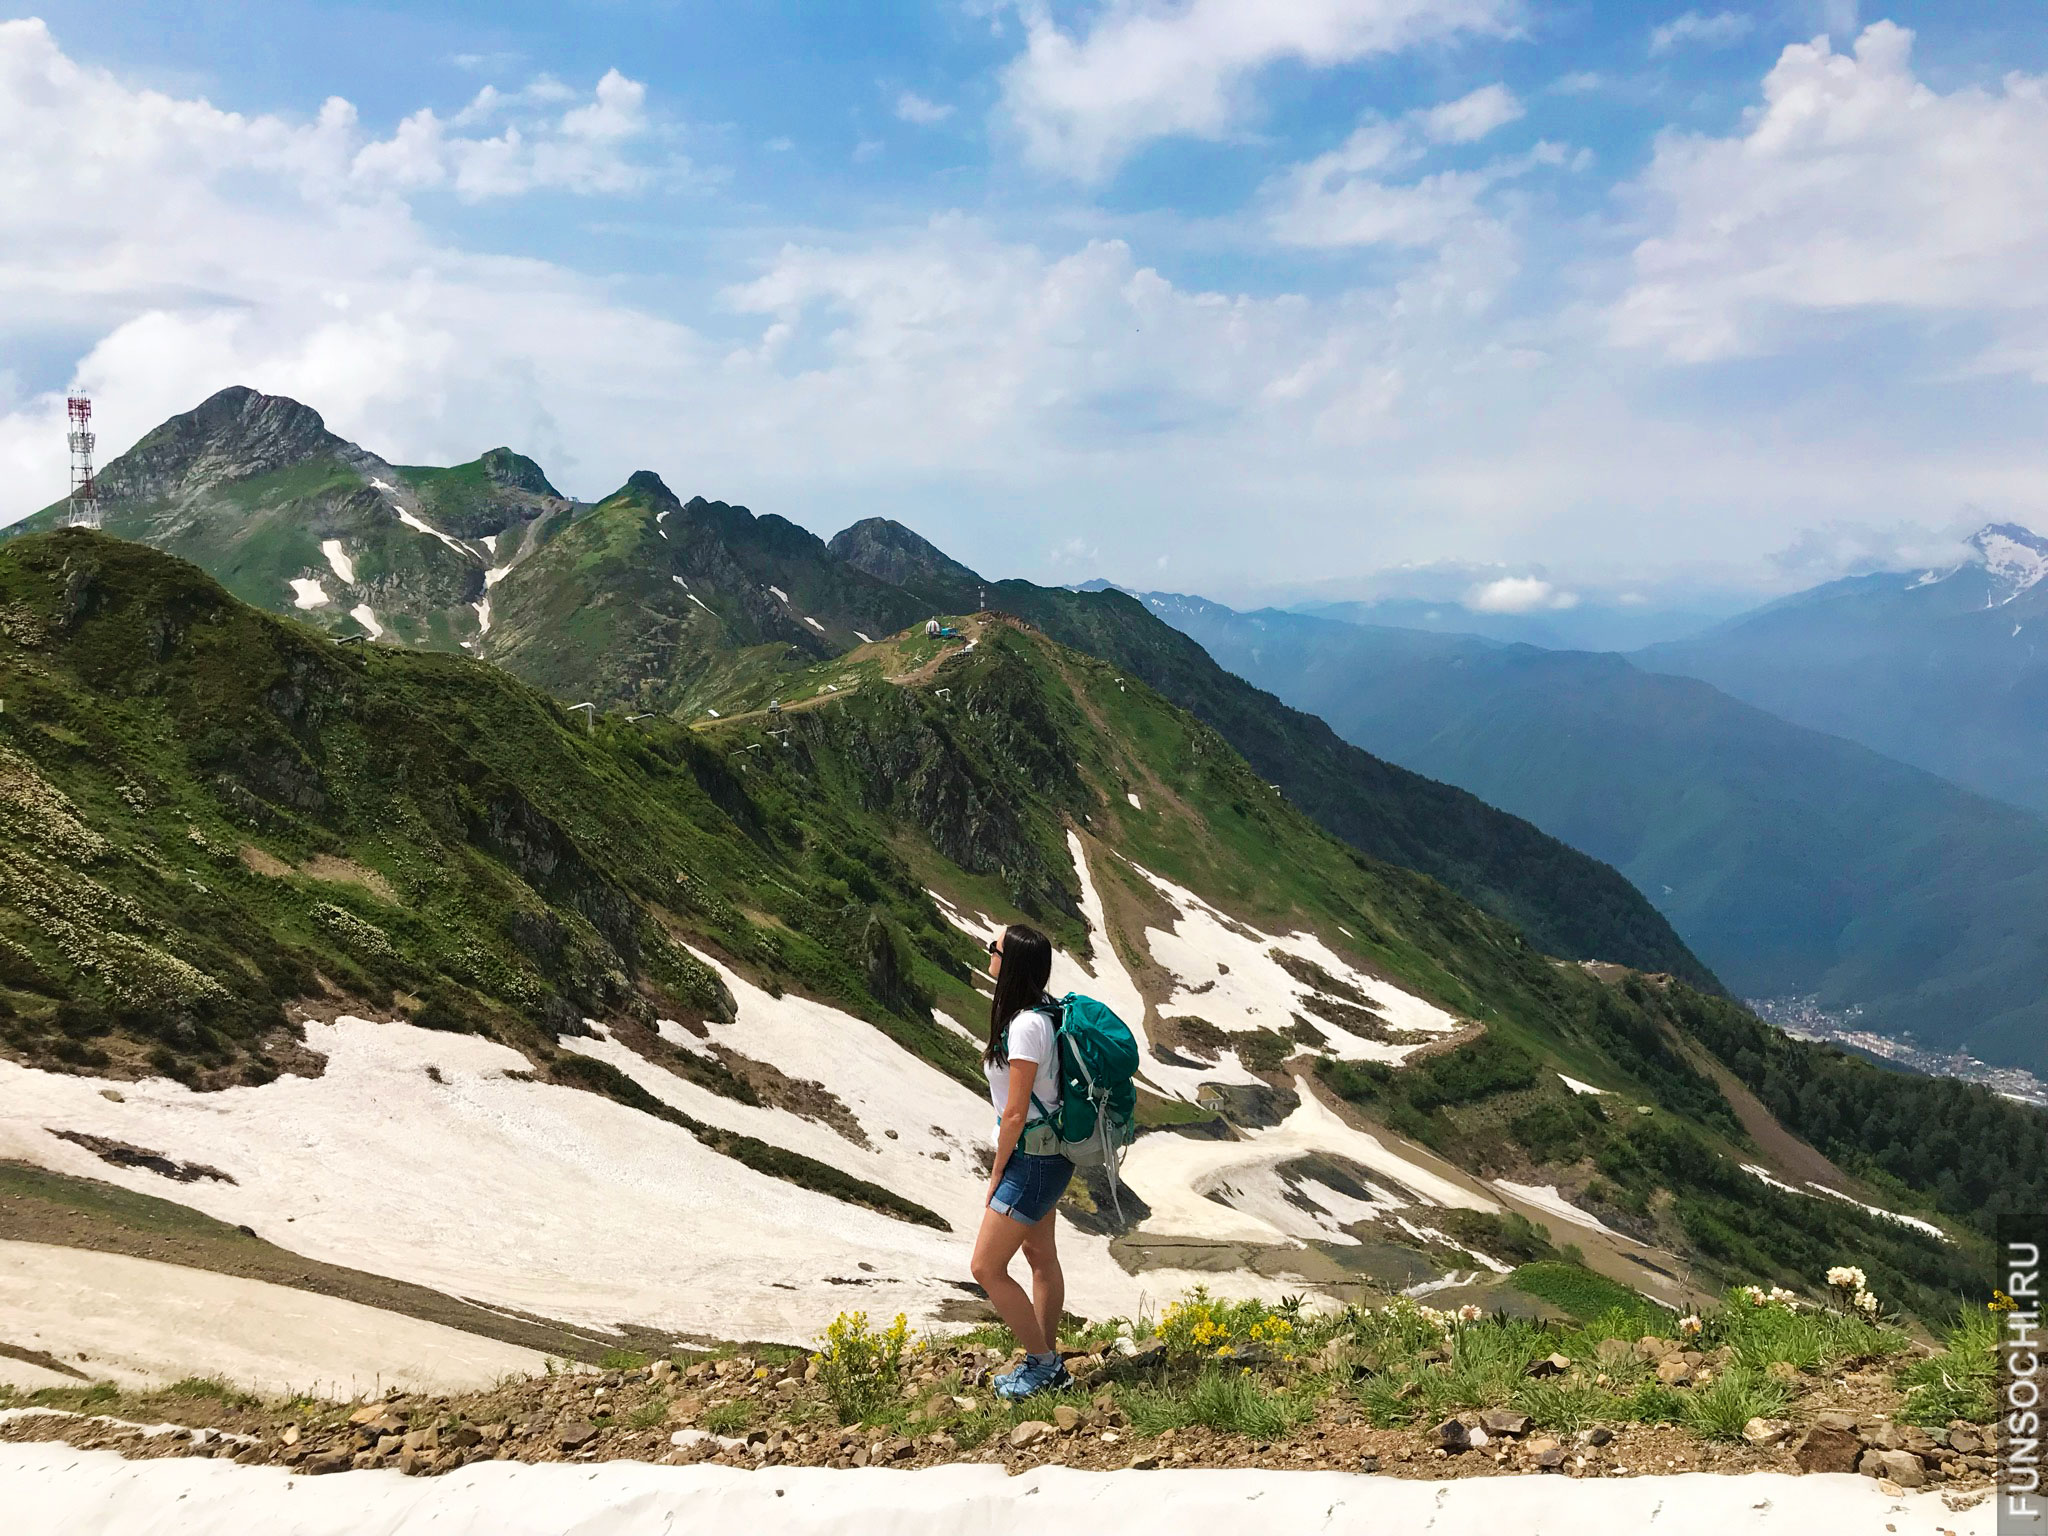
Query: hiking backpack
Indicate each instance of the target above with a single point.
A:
(1097, 1114)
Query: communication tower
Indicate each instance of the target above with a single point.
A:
(85, 494)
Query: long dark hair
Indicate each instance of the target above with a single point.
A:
(1026, 968)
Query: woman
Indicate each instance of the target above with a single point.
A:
(1022, 1062)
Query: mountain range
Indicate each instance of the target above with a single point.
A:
(667, 1018)
(1796, 863)
(644, 602)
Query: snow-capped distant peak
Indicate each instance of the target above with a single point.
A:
(2015, 557)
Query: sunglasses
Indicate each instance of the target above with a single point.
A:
(995, 945)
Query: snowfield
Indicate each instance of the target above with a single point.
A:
(1227, 976)
(140, 1324)
(54, 1490)
(1233, 1191)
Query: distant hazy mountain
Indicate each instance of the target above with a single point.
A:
(1791, 861)
(1947, 670)
(1583, 626)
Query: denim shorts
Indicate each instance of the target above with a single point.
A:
(1030, 1186)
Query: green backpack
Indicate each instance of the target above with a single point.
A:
(1097, 1115)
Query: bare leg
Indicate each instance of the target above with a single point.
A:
(994, 1246)
(1048, 1283)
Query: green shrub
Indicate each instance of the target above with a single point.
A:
(1233, 1401)
(1719, 1409)
(729, 1418)
(860, 1367)
(1960, 1382)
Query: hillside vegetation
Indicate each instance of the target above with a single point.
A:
(213, 814)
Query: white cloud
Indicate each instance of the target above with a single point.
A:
(913, 108)
(981, 387)
(1147, 69)
(1853, 188)
(1519, 594)
(1366, 192)
(1469, 117)
(1694, 30)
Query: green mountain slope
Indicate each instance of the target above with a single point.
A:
(1567, 903)
(647, 601)
(651, 604)
(1795, 863)
(212, 813)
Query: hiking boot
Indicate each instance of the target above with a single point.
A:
(1032, 1378)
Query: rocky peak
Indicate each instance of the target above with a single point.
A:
(230, 436)
(2014, 557)
(515, 471)
(887, 550)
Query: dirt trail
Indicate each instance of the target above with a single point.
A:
(971, 632)
(1785, 1155)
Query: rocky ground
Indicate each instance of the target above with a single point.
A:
(766, 1409)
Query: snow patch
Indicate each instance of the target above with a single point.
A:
(1545, 1197)
(814, 624)
(143, 1323)
(702, 604)
(496, 574)
(1764, 1175)
(1230, 1191)
(419, 526)
(863, 639)
(343, 566)
(680, 582)
(483, 615)
(1877, 1210)
(1134, 802)
(490, 544)
(366, 616)
(1578, 1087)
(1225, 973)
(780, 593)
(308, 593)
(54, 1487)
(714, 714)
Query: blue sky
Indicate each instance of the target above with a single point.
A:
(1307, 297)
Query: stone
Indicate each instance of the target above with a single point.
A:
(1599, 1434)
(1145, 1461)
(290, 1435)
(1453, 1436)
(1827, 1448)
(661, 1371)
(1903, 1468)
(325, 1462)
(575, 1434)
(1762, 1431)
(1650, 1347)
(1965, 1441)
(1674, 1372)
(1612, 1351)
(1368, 1463)
(1836, 1419)
(1782, 1370)
(1885, 1437)
(898, 1449)
(1478, 1439)
(367, 1412)
(1550, 1457)
(1504, 1421)
(1030, 1432)
(389, 1445)
(1066, 1418)
(1549, 1365)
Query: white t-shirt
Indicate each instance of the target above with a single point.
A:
(1031, 1039)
